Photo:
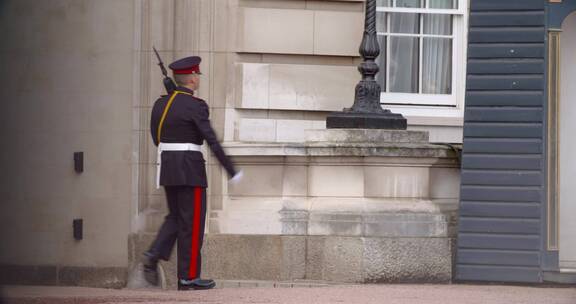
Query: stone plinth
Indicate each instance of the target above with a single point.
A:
(371, 206)
(346, 205)
(351, 120)
(367, 136)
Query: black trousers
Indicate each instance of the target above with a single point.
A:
(184, 223)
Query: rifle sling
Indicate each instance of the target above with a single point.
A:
(168, 105)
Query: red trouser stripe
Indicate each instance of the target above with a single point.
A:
(195, 250)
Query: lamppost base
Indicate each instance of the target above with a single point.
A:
(355, 120)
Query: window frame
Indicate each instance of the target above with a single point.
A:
(419, 104)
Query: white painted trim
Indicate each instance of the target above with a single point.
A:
(418, 99)
(457, 3)
(420, 51)
(414, 35)
(387, 54)
(568, 270)
(426, 111)
(432, 104)
(461, 53)
(421, 10)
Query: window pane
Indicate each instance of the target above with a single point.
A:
(437, 66)
(407, 23)
(442, 4)
(438, 24)
(409, 3)
(403, 65)
(383, 3)
(381, 22)
(381, 61)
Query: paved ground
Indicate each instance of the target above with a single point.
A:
(357, 294)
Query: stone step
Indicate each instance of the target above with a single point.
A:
(277, 258)
(274, 284)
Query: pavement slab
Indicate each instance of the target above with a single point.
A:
(357, 294)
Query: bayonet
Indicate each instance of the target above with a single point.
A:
(169, 84)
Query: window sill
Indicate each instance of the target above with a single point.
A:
(429, 116)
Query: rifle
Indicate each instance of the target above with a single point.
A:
(168, 82)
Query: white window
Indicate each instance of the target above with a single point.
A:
(422, 55)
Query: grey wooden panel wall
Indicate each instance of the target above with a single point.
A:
(499, 237)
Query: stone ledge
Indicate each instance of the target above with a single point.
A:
(336, 217)
(274, 284)
(338, 224)
(407, 150)
(290, 259)
(333, 259)
(52, 275)
(559, 277)
(366, 135)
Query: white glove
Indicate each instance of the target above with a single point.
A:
(236, 179)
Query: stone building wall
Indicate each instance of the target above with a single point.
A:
(66, 77)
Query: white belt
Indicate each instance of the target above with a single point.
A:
(172, 147)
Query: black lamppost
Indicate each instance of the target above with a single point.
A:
(366, 113)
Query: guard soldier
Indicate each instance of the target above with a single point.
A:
(179, 125)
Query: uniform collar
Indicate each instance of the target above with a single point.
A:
(183, 89)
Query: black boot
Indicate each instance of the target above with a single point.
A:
(196, 284)
(150, 269)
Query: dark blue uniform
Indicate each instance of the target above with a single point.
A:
(183, 176)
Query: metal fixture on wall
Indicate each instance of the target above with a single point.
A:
(78, 229)
(79, 162)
